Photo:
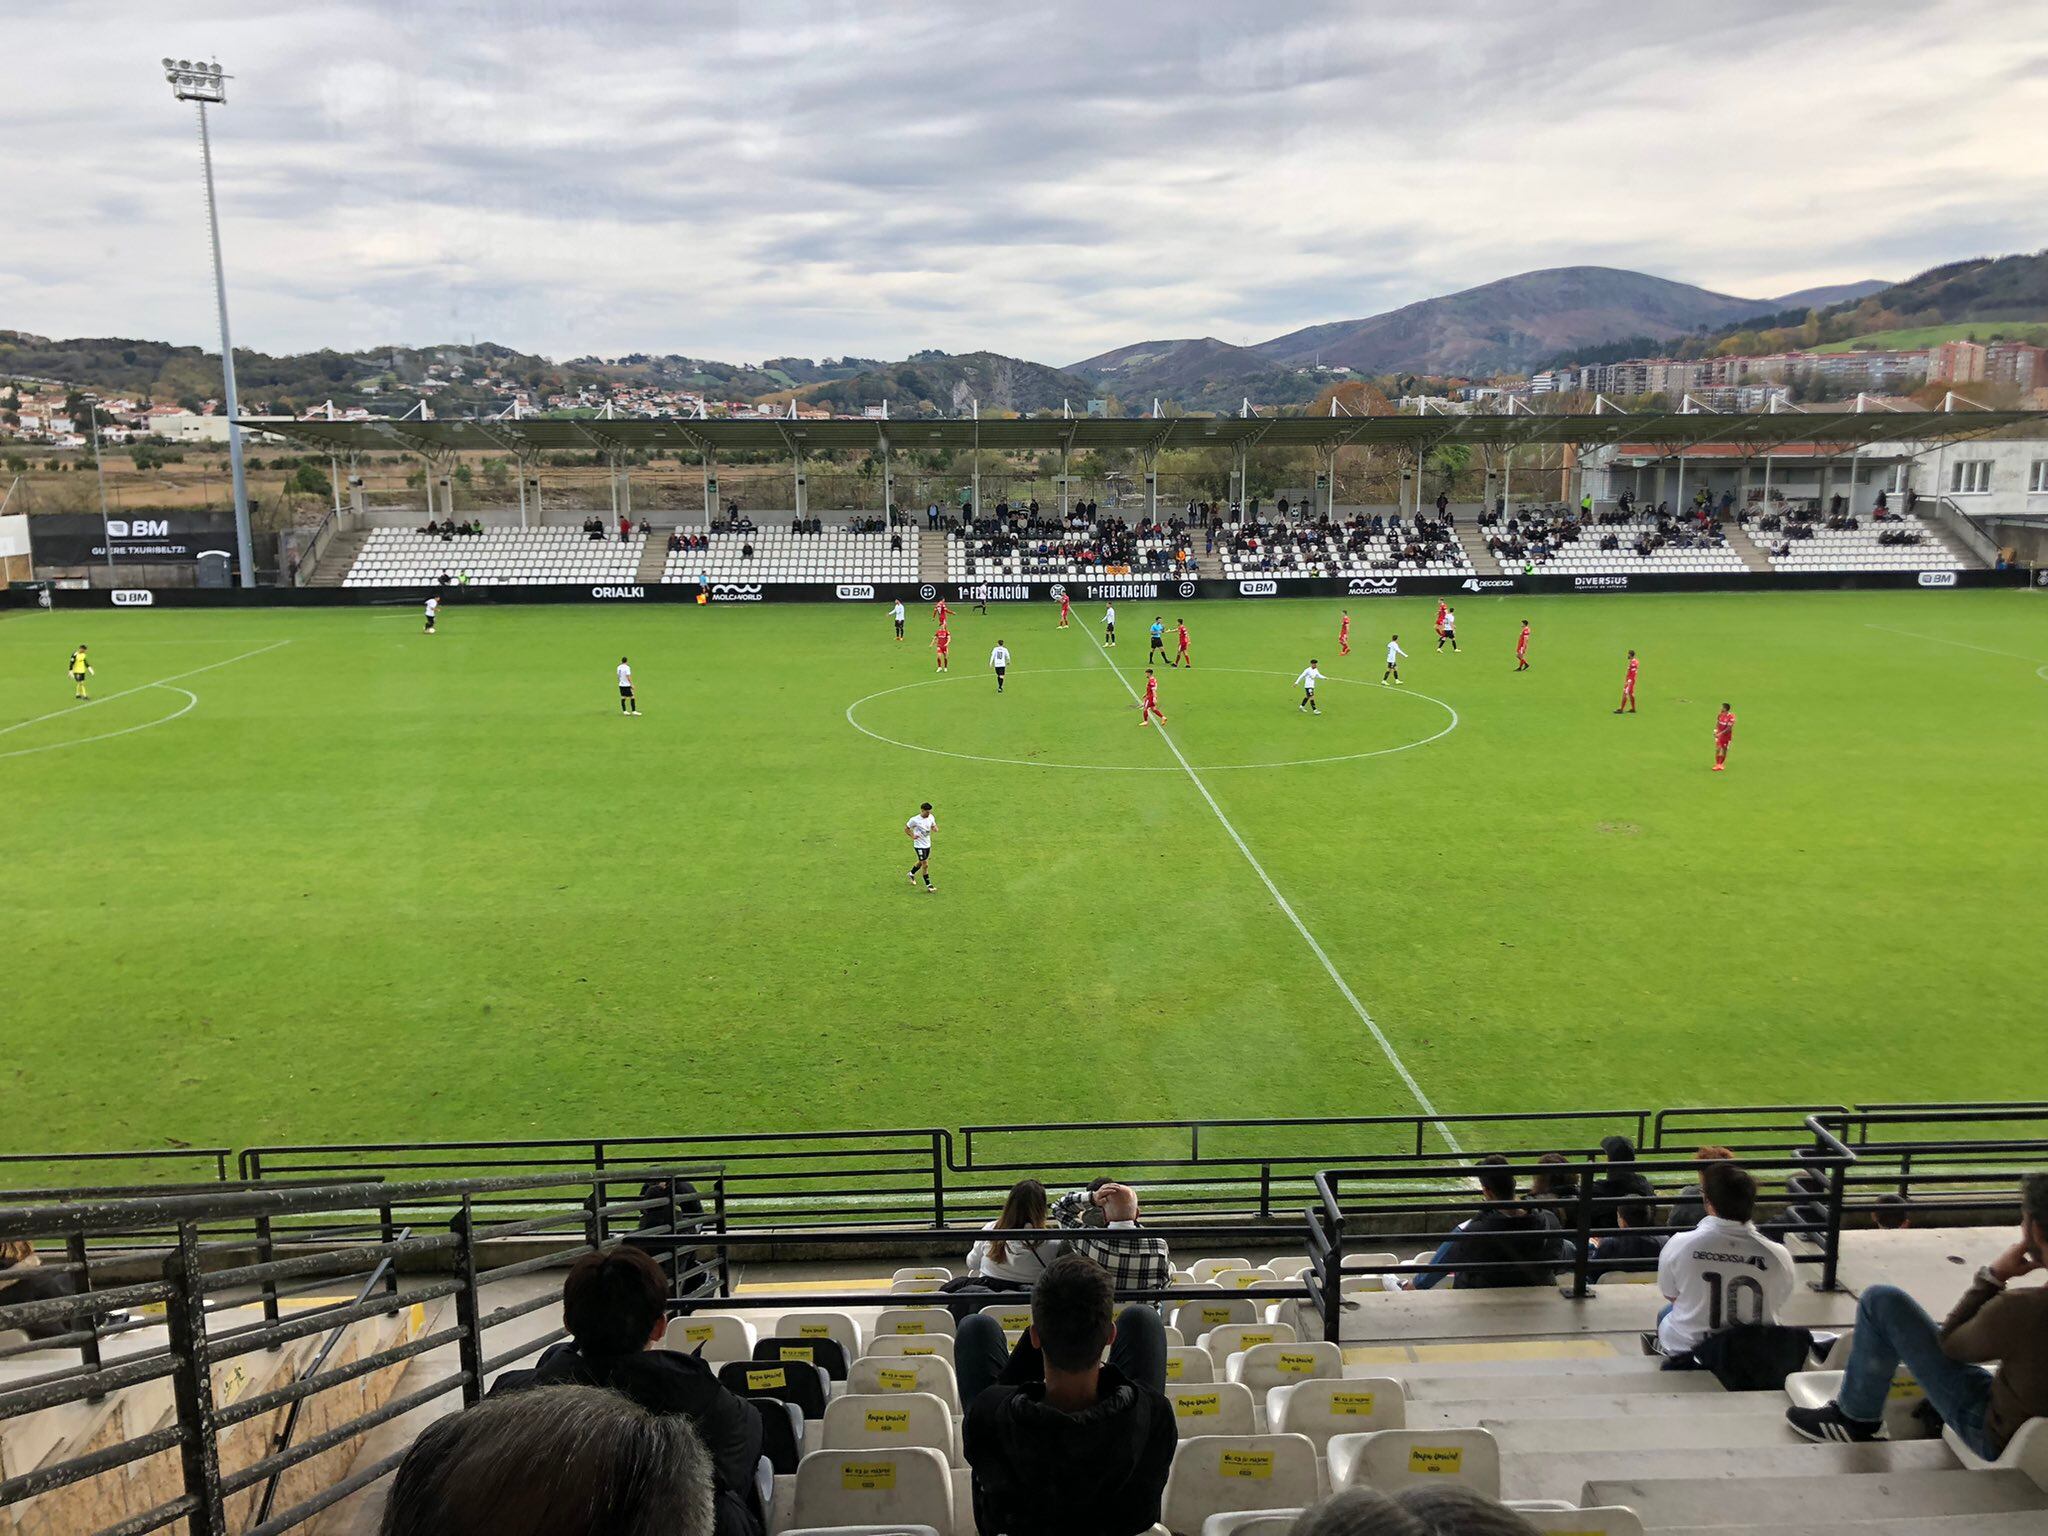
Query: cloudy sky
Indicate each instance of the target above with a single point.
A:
(1048, 180)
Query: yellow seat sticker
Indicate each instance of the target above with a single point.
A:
(799, 1352)
(1356, 1405)
(814, 1331)
(867, 1476)
(887, 1421)
(761, 1381)
(1297, 1362)
(698, 1333)
(1174, 1367)
(1198, 1405)
(897, 1381)
(1436, 1460)
(1252, 1466)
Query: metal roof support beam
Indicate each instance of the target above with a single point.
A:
(888, 483)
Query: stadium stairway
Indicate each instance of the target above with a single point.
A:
(1473, 541)
(931, 557)
(1743, 545)
(336, 558)
(653, 561)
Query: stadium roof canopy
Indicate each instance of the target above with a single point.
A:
(1677, 430)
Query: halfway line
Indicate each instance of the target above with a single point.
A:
(174, 677)
(1386, 1046)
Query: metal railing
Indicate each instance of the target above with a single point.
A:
(226, 1293)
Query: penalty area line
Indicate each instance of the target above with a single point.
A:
(1343, 987)
(22, 725)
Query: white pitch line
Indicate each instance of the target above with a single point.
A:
(191, 703)
(22, 725)
(1386, 1046)
(1961, 644)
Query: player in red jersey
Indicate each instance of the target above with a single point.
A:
(1181, 634)
(942, 642)
(1522, 649)
(1344, 634)
(1724, 732)
(1443, 614)
(1628, 687)
(1151, 705)
(940, 612)
(1066, 607)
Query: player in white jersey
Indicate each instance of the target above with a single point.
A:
(628, 705)
(981, 598)
(1448, 630)
(433, 612)
(1109, 626)
(1723, 1272)
(999, 658)
(919, 830)
(1307, 684)
(896, 614)
(1394, 655)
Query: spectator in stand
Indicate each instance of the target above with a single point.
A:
(653, 1235)
(1619, 1180)
(1057, 1440)
(565, 1461)
(1000, 1265)
(1893, 1212)
(1417, 1511)
(1519, 1243)
(1690, 1209)
(1722, 1273)
(1136, 1264)
(1989, 1323)
(1613, 1254)
(614, 1304)
(24, 1278)
(1555, 1184)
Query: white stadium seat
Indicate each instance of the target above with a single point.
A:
(867, 1487)
(1188, 1363)
(906, 1373)
(1195, 1318)
(1392, 1459)
(911, 1321)
(1213, 1408)
(1265, 1366)
(1233, 1338)
(1216, 1474)
(901, 1345)
(1322, 1406)
(890, 1421)
(714, 1335)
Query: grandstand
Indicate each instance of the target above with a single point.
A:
(1554, 540)
(397, 1283)
(496, 557)
(827, 556)
(1798, 538)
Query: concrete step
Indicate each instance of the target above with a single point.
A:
(1474, 542)
(653, 561)
(1565, 1474)
(1611, 1363)
(1774, 1503)
(1547, 1434)
(1924, 1525)
(931, 557)
(1458, 1412)
(1644, 1378)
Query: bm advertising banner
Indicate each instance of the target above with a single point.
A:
(74, 538)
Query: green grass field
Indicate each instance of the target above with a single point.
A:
(1933, 335)
(307, 875)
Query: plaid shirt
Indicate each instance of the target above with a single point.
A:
(1135, 1265)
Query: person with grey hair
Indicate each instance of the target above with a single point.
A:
(556, 1461)
(1990, 1322)
(1411, 1512)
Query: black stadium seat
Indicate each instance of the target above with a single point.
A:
(788, 1381)
(821, 1352)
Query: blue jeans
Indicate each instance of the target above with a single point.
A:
(1893, 1329)
(1435, 1278)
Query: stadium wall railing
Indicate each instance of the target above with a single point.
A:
(248, 1266)
(1120, 589)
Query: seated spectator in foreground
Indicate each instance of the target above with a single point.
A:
(1522, 1239)
(1893, 1212)
(23, 1278)
(1612, 1255)
(562, 1461)
(1620, 1181)
(1723, 1272)
(1989, 1323)
(614, 1306)
(1689, 1210)
(1411, 1512)
(1135, 1264)
(1057, 1440)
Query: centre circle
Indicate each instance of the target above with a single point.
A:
(1442, 715)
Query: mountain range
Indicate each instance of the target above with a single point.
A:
(1510, 324)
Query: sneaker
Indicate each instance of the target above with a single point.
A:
(1828, 1422)
(1651, 1344)
(930, 889)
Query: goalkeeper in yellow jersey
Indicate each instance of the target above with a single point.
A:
(80, 669)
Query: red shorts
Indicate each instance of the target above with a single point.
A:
(1722, 741)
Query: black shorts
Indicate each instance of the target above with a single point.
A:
(999, 673)
(1158, 645)
(921, 854)
(899, 626)
(430, 621)
(625, 690)
(1109, 629)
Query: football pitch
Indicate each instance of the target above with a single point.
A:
(311, 874)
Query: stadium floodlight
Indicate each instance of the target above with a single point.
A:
(200, 84)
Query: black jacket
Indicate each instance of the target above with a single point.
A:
(32, 1282)
(667, 1381)
(1526, 1236)
(1041, 1472)
(1610, 1251)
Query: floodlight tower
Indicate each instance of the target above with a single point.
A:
(200, 84)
